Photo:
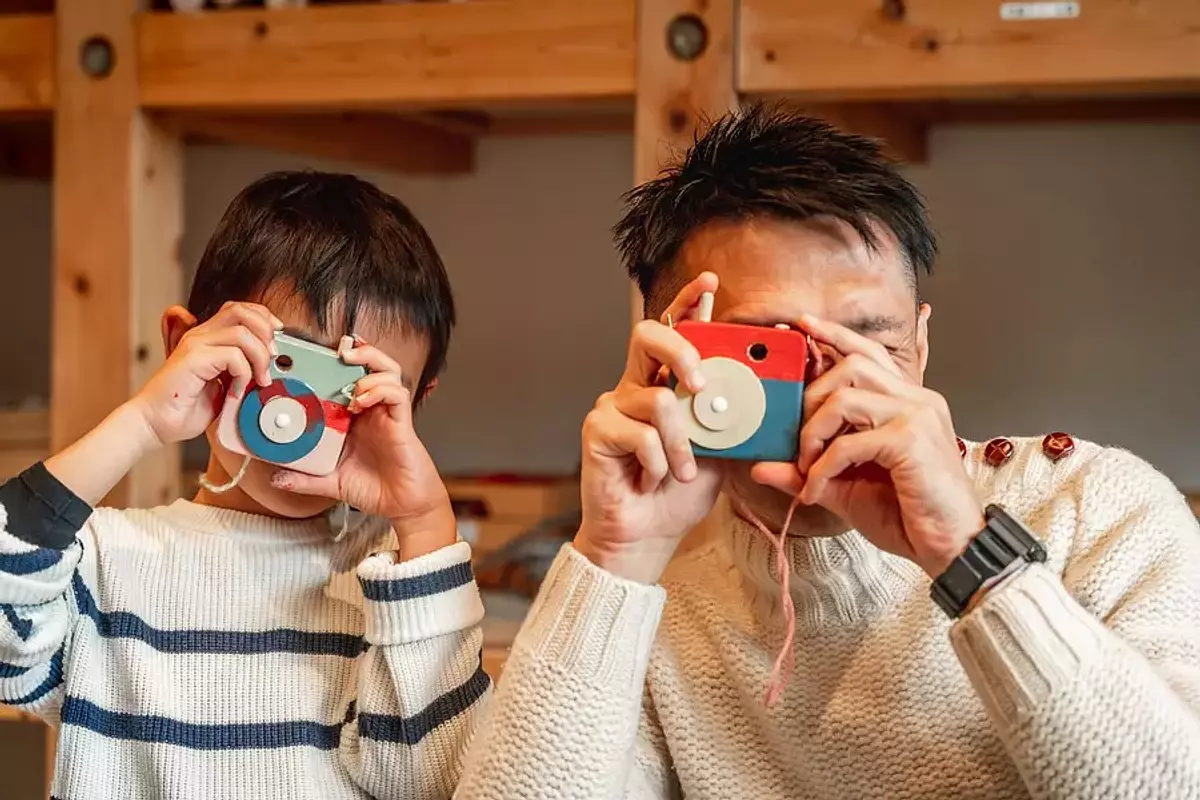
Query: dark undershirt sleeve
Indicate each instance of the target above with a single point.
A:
(41, 510)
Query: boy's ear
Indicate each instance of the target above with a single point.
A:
(428, 390)
(176, 321)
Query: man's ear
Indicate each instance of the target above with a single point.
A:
(923, 315)
(176, 321)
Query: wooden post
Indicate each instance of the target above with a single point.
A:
(686, 51)
(678, 91)
(117, 221)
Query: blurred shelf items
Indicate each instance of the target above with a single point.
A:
(516, 526)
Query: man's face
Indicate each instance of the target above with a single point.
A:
(773, 271)
(411, 353)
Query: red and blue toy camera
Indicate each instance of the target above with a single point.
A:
(752, 403)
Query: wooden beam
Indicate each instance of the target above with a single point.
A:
(26, 62)
(676, 97)
(871, 49)
(117, 222)
(905, 136)
(383, 141)
(386, 55)
(1058, 110)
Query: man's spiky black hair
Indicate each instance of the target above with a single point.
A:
(769, 161)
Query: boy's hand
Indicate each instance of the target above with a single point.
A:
(385, 469)
(183, 398)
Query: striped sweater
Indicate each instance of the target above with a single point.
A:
(194, 652)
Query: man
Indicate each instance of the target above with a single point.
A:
(1078, 677)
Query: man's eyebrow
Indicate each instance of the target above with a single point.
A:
(875, 323)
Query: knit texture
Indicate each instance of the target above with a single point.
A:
(192, 652)
(1075, 679)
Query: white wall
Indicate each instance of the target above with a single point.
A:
(1064, 299)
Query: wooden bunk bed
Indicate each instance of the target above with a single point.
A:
(106, 93)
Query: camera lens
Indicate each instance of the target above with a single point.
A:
(758, 352)
(283, 362)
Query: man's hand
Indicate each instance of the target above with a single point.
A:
(880, 452)
(385, 469)
(642, 489)
(183, 398)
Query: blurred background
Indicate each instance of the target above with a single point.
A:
(1058, 145)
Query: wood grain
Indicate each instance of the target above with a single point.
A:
(390, 54)
(840, 49)
(26, 62)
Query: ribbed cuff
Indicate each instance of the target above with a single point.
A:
(593, 625)
(1025, 641)
(41, 510)
(419, 599)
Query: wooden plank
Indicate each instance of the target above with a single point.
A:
(676, 97)
(839, 49)
(26, 62)
(1059, 110)
(369, 139)
(117, 221)
(388, 55)
(905, 136)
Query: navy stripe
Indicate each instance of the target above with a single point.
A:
(229, 736)
(22, 627)
(29, 562)
(12, 670)
(411, 730)
(126, 625)
(54, 679)
(419, 585)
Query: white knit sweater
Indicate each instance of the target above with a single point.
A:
(1078, 679)
(192, 652)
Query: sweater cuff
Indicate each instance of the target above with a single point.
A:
(593, 625)
(40, 510)
(419, 599)
(1026, 640)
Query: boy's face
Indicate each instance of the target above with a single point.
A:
(254, 493)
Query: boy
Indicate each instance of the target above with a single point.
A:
(212, 648)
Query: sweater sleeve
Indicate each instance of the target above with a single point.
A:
(421, 684)
(1092, 678)
(565, 721)
(40, 550)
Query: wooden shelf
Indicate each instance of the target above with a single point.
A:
(26, 63)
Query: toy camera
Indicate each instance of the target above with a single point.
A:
(752, 404)
(300, 421)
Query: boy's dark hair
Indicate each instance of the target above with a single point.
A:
(768, 161)
(340, 244)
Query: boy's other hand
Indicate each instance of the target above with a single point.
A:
(385, 469)
(223, 355)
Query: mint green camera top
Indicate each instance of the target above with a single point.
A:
(316, 366)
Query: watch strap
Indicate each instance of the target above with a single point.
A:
(1002, 541)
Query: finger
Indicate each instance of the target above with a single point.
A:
(847, 407)
(843, 453)
(654, 346)
(257, 318)
(847, 342)
(365, 355)
(857, 371)
(660, 407)
(688, 300)
(300, 483)
(780, 475)
(387, 391)
(210, 363)
(244, 339)
(610, 434)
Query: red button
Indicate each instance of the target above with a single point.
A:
(1058, 446)
(962, 447)
(998, 452)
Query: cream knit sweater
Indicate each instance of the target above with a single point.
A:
(1077, 679)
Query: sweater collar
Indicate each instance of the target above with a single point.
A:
(834, 579)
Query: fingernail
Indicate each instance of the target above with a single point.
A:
(272, 348)
(696, 381)
(688, 471)
(280, 481)
(277, 322)
(345, 345)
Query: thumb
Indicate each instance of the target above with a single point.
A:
(781, 475)
(301, 483)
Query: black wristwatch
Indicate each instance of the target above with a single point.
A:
(1002, 541)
